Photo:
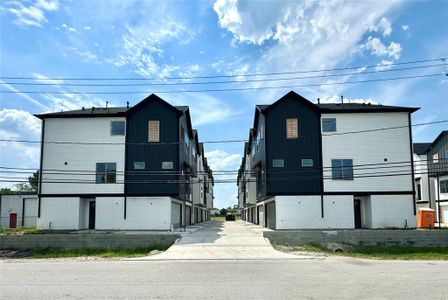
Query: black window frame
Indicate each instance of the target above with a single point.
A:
(445, 186)
(278, 160)
(342, 172)
(107, 173)
(325, 123)
(112, 128)
(140, 162)
(307, 159)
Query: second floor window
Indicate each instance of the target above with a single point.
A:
(328, 124)
(117, 127)
(292, 128)
(106, 173)
(154, 131)
(342, 169)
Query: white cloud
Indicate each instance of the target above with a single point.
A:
(377, 48)
(337, 99)
(31, 14)
(405, 27)
(384, 26)
(19, 124)
(23, 95)
(87, 28)
(220, 160)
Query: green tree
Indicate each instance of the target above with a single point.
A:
(223, 212)
(7, 191)
(30, 186)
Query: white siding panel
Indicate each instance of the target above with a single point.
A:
(30, 214)
(63, 213)
(369, 148)
(81, 157)
(392, 211)
(304, 212)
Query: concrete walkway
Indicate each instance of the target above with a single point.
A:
(219, 240)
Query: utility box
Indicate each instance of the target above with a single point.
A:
(426, 218)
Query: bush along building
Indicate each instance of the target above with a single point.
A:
(341, 165)
(431, 175)
(122, 168)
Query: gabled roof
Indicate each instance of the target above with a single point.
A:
(110, 111)
(421, 148)
(333, 107)
(437, 139)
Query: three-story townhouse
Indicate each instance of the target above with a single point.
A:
(431, 179)
(116, 168)
(333, 165)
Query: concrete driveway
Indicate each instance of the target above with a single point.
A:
(219, 240)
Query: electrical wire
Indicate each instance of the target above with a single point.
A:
(39, 83)
(443, 59)
(217, 141)
(223, 89)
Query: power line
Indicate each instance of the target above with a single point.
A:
(289, 178)
(443, 59)
(217, 141)
(225, 89)
(213, 82)
(75, 172)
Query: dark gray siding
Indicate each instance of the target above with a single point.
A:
(292, 179)
(153, 154)
(440, 147)
(259, 156)
(184, 157)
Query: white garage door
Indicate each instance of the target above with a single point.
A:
(444, 211)
(30, 213)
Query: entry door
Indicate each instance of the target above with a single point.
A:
(357, 211)
(91, 214)
(13, 220)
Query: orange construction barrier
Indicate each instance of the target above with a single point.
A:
(426, 218)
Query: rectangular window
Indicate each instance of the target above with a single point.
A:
(419, 191)
(167, 165)
(342, 169)
(435, 158)
(139, 165)
(444, 186)
(278, 163)
(154, 131)
(117, 127)
(106, 172)
(292, 128)
(307, 162)
(328, 124)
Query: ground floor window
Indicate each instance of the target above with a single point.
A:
(444, 186)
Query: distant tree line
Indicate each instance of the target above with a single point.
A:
(23, 187)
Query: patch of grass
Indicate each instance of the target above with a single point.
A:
(377, 252)
(19, 231)
(399, 252)
(219, 218)
(104, 253)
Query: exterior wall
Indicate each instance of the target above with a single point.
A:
(67, 159)
(153, 154)
(369, 148)
(392, 211)
(421, 176)
(304, 212)
(14, 204)
(443, 203)
(301, 180)
(143, 213)
(63, 213)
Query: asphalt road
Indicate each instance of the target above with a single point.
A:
(331, 278)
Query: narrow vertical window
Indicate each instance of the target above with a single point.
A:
(154, 131)
(292, 128)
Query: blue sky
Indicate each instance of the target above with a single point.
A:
(146, 39)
